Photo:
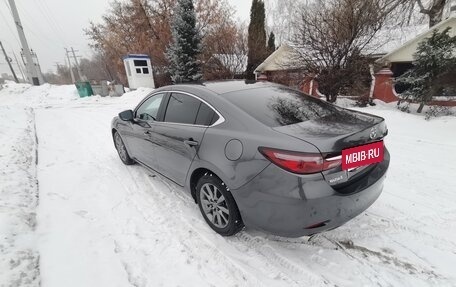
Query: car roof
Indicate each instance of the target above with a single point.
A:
(224, 87)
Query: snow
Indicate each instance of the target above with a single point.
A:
(100, 223)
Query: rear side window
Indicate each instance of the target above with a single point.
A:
(186, 109)
(182, 109)
(278, 106)
(206, 116)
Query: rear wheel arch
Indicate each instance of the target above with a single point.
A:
(196, 175)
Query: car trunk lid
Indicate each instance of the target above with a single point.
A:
(337, 131)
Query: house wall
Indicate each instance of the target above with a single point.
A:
(290, 78)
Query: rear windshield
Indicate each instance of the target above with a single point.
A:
(278, 106)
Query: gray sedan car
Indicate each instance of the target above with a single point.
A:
(256, 154)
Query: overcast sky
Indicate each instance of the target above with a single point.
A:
(51, 25)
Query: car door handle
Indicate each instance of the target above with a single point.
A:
(191, 142)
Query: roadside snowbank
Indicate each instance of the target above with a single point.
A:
(18, 198)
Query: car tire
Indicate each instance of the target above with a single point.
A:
(122, 149)
(218, 206)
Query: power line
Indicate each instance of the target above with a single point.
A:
(51, 20)
(8, 26)
(30, 22)
(48, 20)
(9, 60)
(19, 66)
(69, 64)
(33, 73)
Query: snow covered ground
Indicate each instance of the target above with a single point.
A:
(71, 214)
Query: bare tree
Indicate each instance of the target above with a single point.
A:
(226, 57)
(280, 15)
(434, 10)
(333, 38)
(143, 26)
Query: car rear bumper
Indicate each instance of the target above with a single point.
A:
(289, 205)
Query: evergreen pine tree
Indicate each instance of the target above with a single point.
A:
(257, 38)
(271, 43)
(433, 69)
(183, 52)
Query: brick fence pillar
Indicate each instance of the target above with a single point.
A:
(384, 87)
(310, 86)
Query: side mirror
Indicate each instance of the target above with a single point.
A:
(126, 116)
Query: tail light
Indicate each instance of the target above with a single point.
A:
(299, 162)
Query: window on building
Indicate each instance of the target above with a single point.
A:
(140, 63)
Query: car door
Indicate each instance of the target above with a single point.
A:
(179, 135)
(140, 142)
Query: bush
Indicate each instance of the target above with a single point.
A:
(437, 111)
(434, 69)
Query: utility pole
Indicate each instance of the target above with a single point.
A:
(20, 67)
(36, 62)
(71, 68)
(32, 73)
(81, 77)
(8, 60)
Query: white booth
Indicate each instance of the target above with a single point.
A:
(139, 71)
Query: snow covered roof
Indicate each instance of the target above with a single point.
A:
(280, 59)
(393, 45)
(136, 56)
(404, 52)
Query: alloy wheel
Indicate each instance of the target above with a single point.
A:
(121, 147)
(214, 205)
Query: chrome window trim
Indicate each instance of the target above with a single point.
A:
(218, 122)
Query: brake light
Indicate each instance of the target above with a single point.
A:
(298, 162)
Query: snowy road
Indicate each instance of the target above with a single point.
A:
(100, 223)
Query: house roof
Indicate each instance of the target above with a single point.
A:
(404, 53)
(136, 56)
(280, 59)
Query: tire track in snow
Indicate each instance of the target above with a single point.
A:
(268, 263)
(270, 255)
(156, 205)
(233, 267)
(272, 262)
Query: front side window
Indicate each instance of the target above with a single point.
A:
(149, 109)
